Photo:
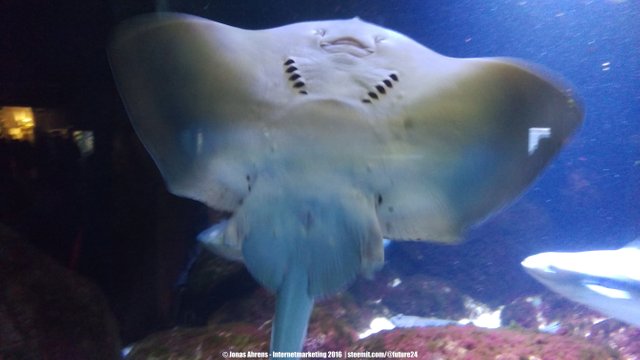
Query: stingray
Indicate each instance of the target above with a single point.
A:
(605, 280)
(322, 138)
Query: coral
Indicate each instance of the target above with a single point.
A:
(472, 343)
(244, 326)
(573, 320)
(330, 327)
(417, 295)
(520, 312)
(626, 340)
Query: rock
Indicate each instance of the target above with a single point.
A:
(203, 343)
(211, 283)
(245, 325)
(333, 323)
(256, 308)
(48, 312)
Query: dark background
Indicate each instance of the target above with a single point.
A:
(136, 238)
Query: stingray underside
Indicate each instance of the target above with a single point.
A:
(315, 180)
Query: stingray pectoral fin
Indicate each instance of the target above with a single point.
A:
(189, 87)
(221, 239)
(477, 141)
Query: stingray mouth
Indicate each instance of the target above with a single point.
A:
(347, 45)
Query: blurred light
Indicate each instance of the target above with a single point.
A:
(17, 123)
(127, 350)
(84, 141)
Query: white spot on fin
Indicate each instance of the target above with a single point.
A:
(535, 135)
(609, 292)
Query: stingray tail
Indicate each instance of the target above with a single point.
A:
(293, 309)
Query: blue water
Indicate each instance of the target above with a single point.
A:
(588, 198)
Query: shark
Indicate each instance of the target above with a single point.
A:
(323, 138)
(607, 281)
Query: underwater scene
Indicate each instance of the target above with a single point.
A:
(213, 179)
